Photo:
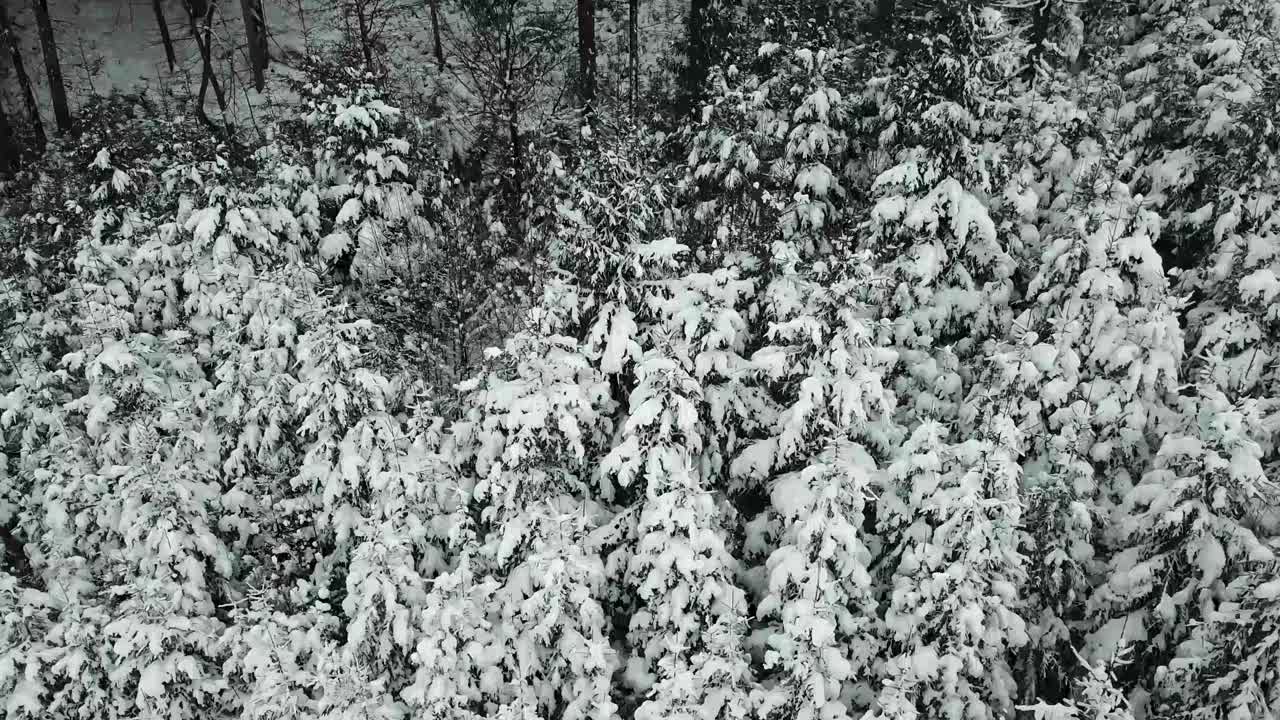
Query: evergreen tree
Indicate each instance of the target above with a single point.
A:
(826, 372)
(1202, 77)
(1187, 531)
(953, 618)
(529, 438)
(693, 615)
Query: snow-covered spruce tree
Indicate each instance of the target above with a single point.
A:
(1055, 535)
(766, 174)
(672, 337)
(365, 492)
(103, 432)
(1231, 665)
(328, 628)
(954, 509)
(457, 670)
(692, 620)
(1197, 119)
(1201, 126)
(129, 499)
(1106, 353)
(364, 184)
(1188, 532)
(524, 622)
(1102, 302)
(249, 317)
(1235, 323)
(199, 378)
(528, 435)
(614, 264)
(949, 272)
(819, 454)
(255, 311)
(775, 135)
(951, 509)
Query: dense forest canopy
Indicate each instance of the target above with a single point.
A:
(644, 360)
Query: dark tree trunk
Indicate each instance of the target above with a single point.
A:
(1080, 61)
(1029, 692)
(882, 15)
(365, 41)
(15, 552)
(9, 150)
(633, 48)
(255, 27)
(24, 80)
(587, 54)
(195, 11)
(165, 38)
(694, 73)
(57, 91)
(435, 31)
(822, 13)
(1038, 36)
(508, 48)
(205, 46)
(206, 54)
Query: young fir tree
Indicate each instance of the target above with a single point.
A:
(1230, 667)
(690, 627)
(1109, 356)
(1233, 326)
(949, 270)
(1215, 179)
(359, 479)
(776, 137)
(151, 287)
(1188, 533)
(364, 183)
(679, 337)
(834, 419)
(529, 438)
(119, 383)
(1196, 117)
(952, 620)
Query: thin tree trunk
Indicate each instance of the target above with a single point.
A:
(165, 38)
(363, 27)
(633, 47)
(9, 150)
(517, 150)
(587, 54)
(195, 11)
(435, 31)
(207, 57)
(513, 114)
(256, 32)
(1038, 39)
(57, 91)
(205, 46)
(24, 80)
(1030, 691)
